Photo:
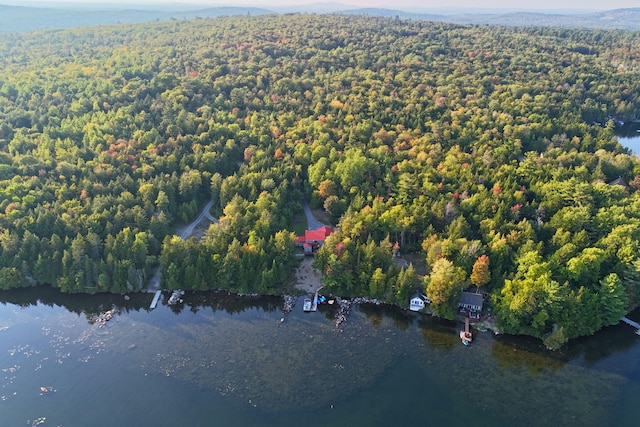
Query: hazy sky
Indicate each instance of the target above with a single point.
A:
(503, 4)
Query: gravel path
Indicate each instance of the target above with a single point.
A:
(184, 233)
(312, 222)
(187, 231)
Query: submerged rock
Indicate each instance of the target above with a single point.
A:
(289, 303)
(103, 318)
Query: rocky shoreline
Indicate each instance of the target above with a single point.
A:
(343, 312)
(345, 305)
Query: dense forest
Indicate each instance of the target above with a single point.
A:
(488, 150)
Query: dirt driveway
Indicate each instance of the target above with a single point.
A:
(308, 278)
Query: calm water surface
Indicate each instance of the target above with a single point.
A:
(629, 137)
(220, 360)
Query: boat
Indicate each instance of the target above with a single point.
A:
(465, 334)
(466, 337)
(307, 304)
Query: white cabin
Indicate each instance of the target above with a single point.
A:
(418, 301)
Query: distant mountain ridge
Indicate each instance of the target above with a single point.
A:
(626, 19)
(22, 18)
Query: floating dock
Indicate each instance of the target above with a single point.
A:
(155, 300)
(314, 302)
(632, 323)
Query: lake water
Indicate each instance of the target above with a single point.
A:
(221, 360)
(629, 137)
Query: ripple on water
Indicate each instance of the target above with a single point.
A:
(37, 421)
(275, 366)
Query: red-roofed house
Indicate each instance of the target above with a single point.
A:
(313, 239)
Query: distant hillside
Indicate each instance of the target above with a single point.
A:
(318, 8)
(627, 19)
(19, 18)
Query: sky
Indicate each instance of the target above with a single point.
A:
(392, 4)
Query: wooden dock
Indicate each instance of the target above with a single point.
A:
(631, 323)
(314, 302)
(155, 300)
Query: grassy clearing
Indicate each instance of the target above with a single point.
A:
(299, 224)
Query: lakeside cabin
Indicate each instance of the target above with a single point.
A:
(418, 301)
(313, 239)
(471, 301)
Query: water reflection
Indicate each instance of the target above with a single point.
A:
(439, 334)
(629, 130)
(606, 344)
(402, 319)
(75, 303)
(92, 305)
(225, 302)
(526, 353)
